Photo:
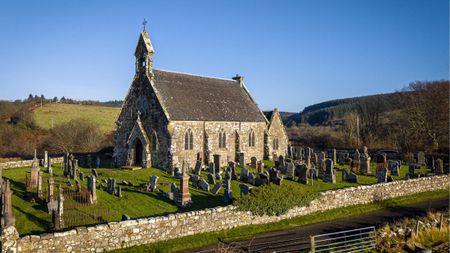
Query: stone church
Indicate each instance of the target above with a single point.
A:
(169, 119)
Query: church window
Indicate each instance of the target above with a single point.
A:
(251, 139)
(222, 139)
(188, 140)
(275, 144)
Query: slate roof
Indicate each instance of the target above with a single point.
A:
(187, 97)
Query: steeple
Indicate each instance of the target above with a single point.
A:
(144, 53)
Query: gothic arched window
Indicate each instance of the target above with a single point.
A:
(251, 138)
(188, 140)
(222, 139)
(275, 144)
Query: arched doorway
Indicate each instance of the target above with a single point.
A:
(138, 153)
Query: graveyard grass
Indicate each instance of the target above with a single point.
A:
(246, 232)
(32, 218)
(102, 116)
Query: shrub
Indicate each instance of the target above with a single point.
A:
(274, 199)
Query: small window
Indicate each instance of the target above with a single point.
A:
(251, 139)
(275, 144)
(222, 139)
(188, 140)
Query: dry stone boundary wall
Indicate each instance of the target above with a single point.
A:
(26, 163)
(116, 235)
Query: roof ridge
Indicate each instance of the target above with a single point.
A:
(198, 75)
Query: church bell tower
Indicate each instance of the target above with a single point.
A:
(144, 54)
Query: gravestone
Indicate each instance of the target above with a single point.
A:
(352, 178)
(94, 172)
(244, 174)
(39, 185)
(97, 162)
(313, 172)
(333, 155)
(228, 194)
(194, 179)
(262, 179)
(308, 152)
(34, 174)
(260, 166)
(315, 159)
(431, 163)
(244, 189)
(382, 175)
(253, 162)
(7, 218)
(251, 179)
(232, 166)
(77, 185)
(211, 178)
(202, 184)
(212, 168)
(329, 175)
(217, 188)
(218, 177)
(411, 172)
(302, 174)
(217, 163)
(395, 168)
(184, 199)
(281, 162)
(421, 159)
(92, 188)
(241, 159)
(198, 167)
(278, 179)
(153, 183)
(74, 168)
(50, 185)
(119, 191)
(58, 221)
(290, 170)
(81, 175)
(48, 164)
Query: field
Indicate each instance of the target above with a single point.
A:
(102, 116)
(32, 218)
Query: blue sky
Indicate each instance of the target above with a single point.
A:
(291, 53)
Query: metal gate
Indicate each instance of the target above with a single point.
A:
(355, 240)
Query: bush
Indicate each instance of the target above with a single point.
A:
(77, 135)
(274, 199)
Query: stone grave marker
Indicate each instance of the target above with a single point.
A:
(302, 174)
(198, 167)
(421, 159)
(382, 175)
(92, 188)
(211, 178)
(330, 176)
(202, 184)
(217, 188)
(290, 170)
(153, 183)
(244, 189)
(439, 168)
(251, 178)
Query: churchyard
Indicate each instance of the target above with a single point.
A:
(134, 196)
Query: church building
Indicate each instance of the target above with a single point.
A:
(169, 119)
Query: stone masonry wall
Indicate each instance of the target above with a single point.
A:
(26, 163)
(124, 234)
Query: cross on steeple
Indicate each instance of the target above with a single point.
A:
(144, 23)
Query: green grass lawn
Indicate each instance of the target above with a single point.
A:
(103, 116)
(33, 218)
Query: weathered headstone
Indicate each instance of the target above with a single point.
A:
(421, 158)
(74, 168)
(329, 176)
(184, 198)
(244, 189)
(211, 178)
(302, 173)
(333, 155)
(153, 183)
(253, 162)
(216, 163)
(290, 170)
(202, 184)
(228, 195)
(251, 178)
(92, 189)
(381, 175)
(39, 185)
(77, 185)
(51, 186)
(34, 174)
(119, 191)
(260, 166)
(217, 188)
(94, 172)
(395, 168)
(59, 217)
(241, 159)
(198, 167)
(194, 179)
(244, 174)
(352, 178)
(81, 175)
(7, 218)
(212, 168)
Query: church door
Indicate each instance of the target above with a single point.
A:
(138, 153)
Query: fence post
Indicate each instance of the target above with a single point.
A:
(311, 241)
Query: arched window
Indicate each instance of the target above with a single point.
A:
(275, 144)
(155, 143)
(251, 138)
(188, 140)
(222, 139)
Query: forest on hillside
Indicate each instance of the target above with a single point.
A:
(415, 118)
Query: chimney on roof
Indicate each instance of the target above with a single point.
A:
(240, 79)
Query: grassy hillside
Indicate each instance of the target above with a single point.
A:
(103, 116)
